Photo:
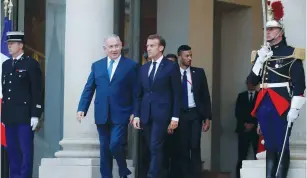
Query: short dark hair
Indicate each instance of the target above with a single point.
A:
(183, 48)
(172, 56)
(158, 37)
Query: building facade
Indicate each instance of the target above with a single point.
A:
(67, 37)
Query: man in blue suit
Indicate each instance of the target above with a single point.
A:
(158, 105)
(114, 80)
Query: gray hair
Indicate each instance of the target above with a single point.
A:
(110, 36)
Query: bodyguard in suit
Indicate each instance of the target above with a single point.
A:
(114, 80)
(195, 113)
(246, 124)
(158, 101)
(21, 105)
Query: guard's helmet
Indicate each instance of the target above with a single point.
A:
(275, 14)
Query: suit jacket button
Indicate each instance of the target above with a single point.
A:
(9, 90)
(11, 74)
(8, 98)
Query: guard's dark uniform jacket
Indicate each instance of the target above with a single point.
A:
(22, 91)
(284, 67)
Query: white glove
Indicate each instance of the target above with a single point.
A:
(263, 55)
(297, 103)
(293, 115)
(34, 123)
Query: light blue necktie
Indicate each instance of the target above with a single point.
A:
(110, 68)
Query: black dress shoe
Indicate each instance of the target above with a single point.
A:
(271, 164)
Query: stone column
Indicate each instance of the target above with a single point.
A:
(88, 22)
(295, 14)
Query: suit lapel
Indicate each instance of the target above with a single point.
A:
(193, 78)
(146, 70)
(105, 68)
(118, 69)
(161, 66)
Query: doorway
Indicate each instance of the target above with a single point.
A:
(232, 48)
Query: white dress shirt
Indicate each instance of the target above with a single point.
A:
(191, 100)
(115, 64)
(157, 65)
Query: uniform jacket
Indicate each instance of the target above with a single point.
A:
(284, 67)
(22, 90)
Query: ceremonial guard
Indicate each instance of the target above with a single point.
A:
(21, 105)
(278, 68)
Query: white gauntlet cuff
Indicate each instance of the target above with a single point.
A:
(297, 102)
(257, 68)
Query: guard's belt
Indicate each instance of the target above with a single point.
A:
(275, 85)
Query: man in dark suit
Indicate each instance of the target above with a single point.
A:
(246, 124)
(195, 114)
(21, 105)
(158, 103)
(114, 80)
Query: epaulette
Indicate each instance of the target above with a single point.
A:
(253, 56)
(299, 53)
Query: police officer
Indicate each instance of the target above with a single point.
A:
(21, 105)
(279, 70)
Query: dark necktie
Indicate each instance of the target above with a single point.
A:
(251, 97)
(185, 90)
(14, 62)
(152, 74)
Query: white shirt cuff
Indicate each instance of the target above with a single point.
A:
(175, 119)
(136, 118)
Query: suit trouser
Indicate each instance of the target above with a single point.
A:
(155, 135)
(144, 155)
(20, 150)
(112, 138)
(244, 141)
(170, 163)
(189, 135)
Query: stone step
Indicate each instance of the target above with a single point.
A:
(215, 174)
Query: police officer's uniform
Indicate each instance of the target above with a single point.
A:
(282, 82)
(21, 105)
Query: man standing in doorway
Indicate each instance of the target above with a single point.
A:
(246, 124)
(158, 103)
(21, 105)
(114, 80)
(195, 113)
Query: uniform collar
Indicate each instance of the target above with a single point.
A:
(19, 57)
(282, 43)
